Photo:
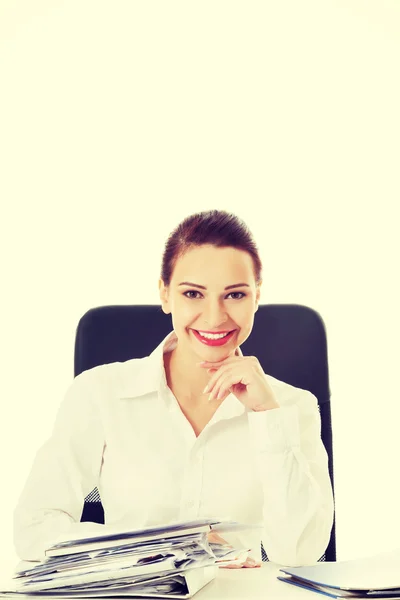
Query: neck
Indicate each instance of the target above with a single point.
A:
(184, 377)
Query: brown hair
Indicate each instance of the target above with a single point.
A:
(216, 227)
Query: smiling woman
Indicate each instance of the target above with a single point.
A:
(209, 324)
(196, 429)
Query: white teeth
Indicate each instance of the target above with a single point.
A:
(213, 336)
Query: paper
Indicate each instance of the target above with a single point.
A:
(372, 577)
(172, 560)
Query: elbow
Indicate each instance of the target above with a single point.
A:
(28, 549)
(302, 548)
(35, 531)
(28, 542)
(313, 541)
(299, 555)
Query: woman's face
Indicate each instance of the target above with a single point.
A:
(212, 291)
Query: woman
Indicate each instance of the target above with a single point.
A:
(196, 428)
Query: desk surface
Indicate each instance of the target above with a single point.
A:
(237, 584)
(252, 584)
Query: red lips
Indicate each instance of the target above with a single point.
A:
(211, 342)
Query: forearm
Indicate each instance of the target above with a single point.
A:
(298, 510)
(293, 469)
(35, 531)
(66, 468)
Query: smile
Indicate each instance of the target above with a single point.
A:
(213, 339)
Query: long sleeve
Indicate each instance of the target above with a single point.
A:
(293, 466)
(65, 470)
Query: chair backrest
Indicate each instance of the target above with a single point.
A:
(289, 340)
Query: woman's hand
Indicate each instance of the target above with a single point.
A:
(243, 377)
(249, 563)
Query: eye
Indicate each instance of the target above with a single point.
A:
(195, 295)
(191, 292)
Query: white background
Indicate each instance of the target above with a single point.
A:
(119, 118)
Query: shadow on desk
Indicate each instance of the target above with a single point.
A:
(251, 584)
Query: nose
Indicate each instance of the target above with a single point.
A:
(214, 314)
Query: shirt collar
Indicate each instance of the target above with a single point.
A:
(152, 373)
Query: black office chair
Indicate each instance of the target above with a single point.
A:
(288, 339)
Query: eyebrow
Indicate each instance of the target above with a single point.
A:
(202, 287)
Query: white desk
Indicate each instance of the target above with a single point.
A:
(237, 584)
(252, 584)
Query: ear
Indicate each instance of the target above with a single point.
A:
(164, 296)
(258, 292)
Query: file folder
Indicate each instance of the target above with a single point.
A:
(168, 561)
(371, 577)
(184, 585)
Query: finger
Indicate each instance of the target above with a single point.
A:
(250, 563)
(226, 361)
(221, 397)
(205, 364)
(225, 383)
(221, 382)
(214, 538)
(220, 387)
(219, 394)
(213, 380)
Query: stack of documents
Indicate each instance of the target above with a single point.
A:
(372, 577)
(172, 561)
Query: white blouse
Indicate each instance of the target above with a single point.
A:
(121, 429)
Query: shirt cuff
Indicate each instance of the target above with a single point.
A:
(275, 430)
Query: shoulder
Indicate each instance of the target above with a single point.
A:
(92, 394)
(113, 378)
